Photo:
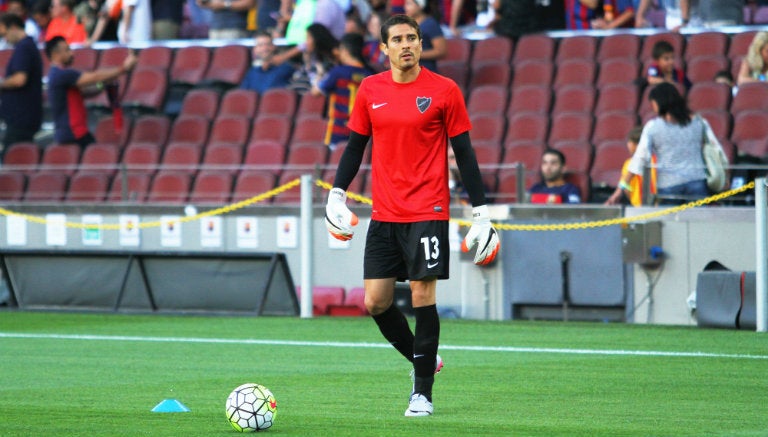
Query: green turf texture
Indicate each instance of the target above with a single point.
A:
(73, 387)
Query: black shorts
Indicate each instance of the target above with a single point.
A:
(406, 250)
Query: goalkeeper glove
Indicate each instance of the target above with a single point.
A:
(484, 234)
(338, 218)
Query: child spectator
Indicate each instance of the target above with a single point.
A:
(725, 77)
(663, 69)
(553, 188)
(632, 191)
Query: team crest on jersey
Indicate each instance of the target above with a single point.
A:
(422, 103)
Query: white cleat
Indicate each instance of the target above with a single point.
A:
(419, 406)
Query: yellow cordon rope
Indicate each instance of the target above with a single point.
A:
(362, 199)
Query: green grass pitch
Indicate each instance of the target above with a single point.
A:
(74, 374)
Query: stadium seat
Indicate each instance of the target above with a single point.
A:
(142, 157)
(151, 129)
(105, 132)
(84, 58)
(574, 98)
(311, 106)
(613, 126)
(212, 187)
(720, 121)
(578, 155)
(136, 187)
(488, 155)
(239, 102)
(189, 65)
(709, 95)
(266, 156)
(528, 127)
(493, 49)
(575, 72)
(487, 127)
(676, 39)
(706, 44)
(291, 196)
(308, 130)
(12, 186)
(570, 126)
(146, 90)
(278, 101)
(617, 98)
(23, 157)
(704, 68)
(751, 96)
(750, 133)
(618, 70)
(354, 304)
(189, 129)
(60, 158)
(230, 130)
(530, 98)
(534, 72)
(181, 158)
(250, 183)
(100, 158)
(619, 45)
(323, 297)
(534, 46)
(223, 157)
(46, 186)
(87, 186)
(201, 102)
(156, 57)
(169, 186)
(609, 160)
(577, 47)
(458, 49)
(506, 191)
(455, 70)
(581, 180)
(488, 99)
(228, 66)
(271, 128)
(740, 44)
(526, 153)
(490, 73)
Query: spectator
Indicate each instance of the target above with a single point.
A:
(676, 138)
(341, 85)
(267, 13)
(579, 14)
(167, 16)
(663, 69)
(374, 56)
(553, 188)
(135, 22)
(333, 15)
(714, 13)
(87, 13)
(107, 22)
(673, 13)
(725, 77)
(318, 56)
(632, 192)
(64, 23)
(264, 74)
(754, 66)
(433, 45)
(513, 18)
(66, 87)
(229, 19)
(21, 98)
(616, 14)
(41, 14)
(19, 7)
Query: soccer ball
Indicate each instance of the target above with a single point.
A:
(251, 407)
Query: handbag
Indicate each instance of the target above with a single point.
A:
(715, 160)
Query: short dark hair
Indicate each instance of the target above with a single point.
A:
(661, 48)
(394, 21)
(634, 134)
(12, 20)
(52, 44)
(559, 154)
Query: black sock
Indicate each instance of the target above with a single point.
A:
(394, 326)
(425, 348)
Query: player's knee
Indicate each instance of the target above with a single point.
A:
(377, 305)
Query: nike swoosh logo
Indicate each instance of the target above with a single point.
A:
(418, 356)
(377, 106)
(429, 266)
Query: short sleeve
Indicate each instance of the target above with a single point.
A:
(456, 116)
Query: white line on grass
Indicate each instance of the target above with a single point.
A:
(535, 350)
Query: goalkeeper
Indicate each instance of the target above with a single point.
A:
(410, 113)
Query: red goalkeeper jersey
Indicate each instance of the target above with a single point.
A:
(410, 124)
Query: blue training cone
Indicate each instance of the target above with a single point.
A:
(170, 406)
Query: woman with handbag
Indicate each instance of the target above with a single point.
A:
(676, 137)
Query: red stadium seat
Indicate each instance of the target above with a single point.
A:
(719, 120)
(578, 155)
(575, 72)
(311, 106)
(87, 187)
(239, 102)
(506, 191)
(495, 49)
(709, 95)
(534, 46)
(574, 98)
(146, 90)
(142, 157)
(105, 132)
(617, 98)
(618, 70)
(211, 187)
(181, 158)
(189, 129)
(751, 96)
(230, 130)
(577, 47)
(309, 130)
(704, 68)
(46, 186)
(151, 129)
(169, 187)
(136, 187)
(60, 158)
(84, 59)
(740, 44)
(490, 73)
(456, 70)
(23, 157)
(278, 101)
(706, 44)
(266, 156)
(271, 128)
(530, 98)
(526, 153)
(487, 127)
(619, 45)
(458, 49)
(228, 65)
(223, 157)
(534, 72)
(609, 160)
(252, 183)
(528, 127)
(570, 126)
(12, 186)
(201, 102)
(157, 57)
(189, 65)
(750, 133)
(488, 99)
(100, 158)
(613, 126)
